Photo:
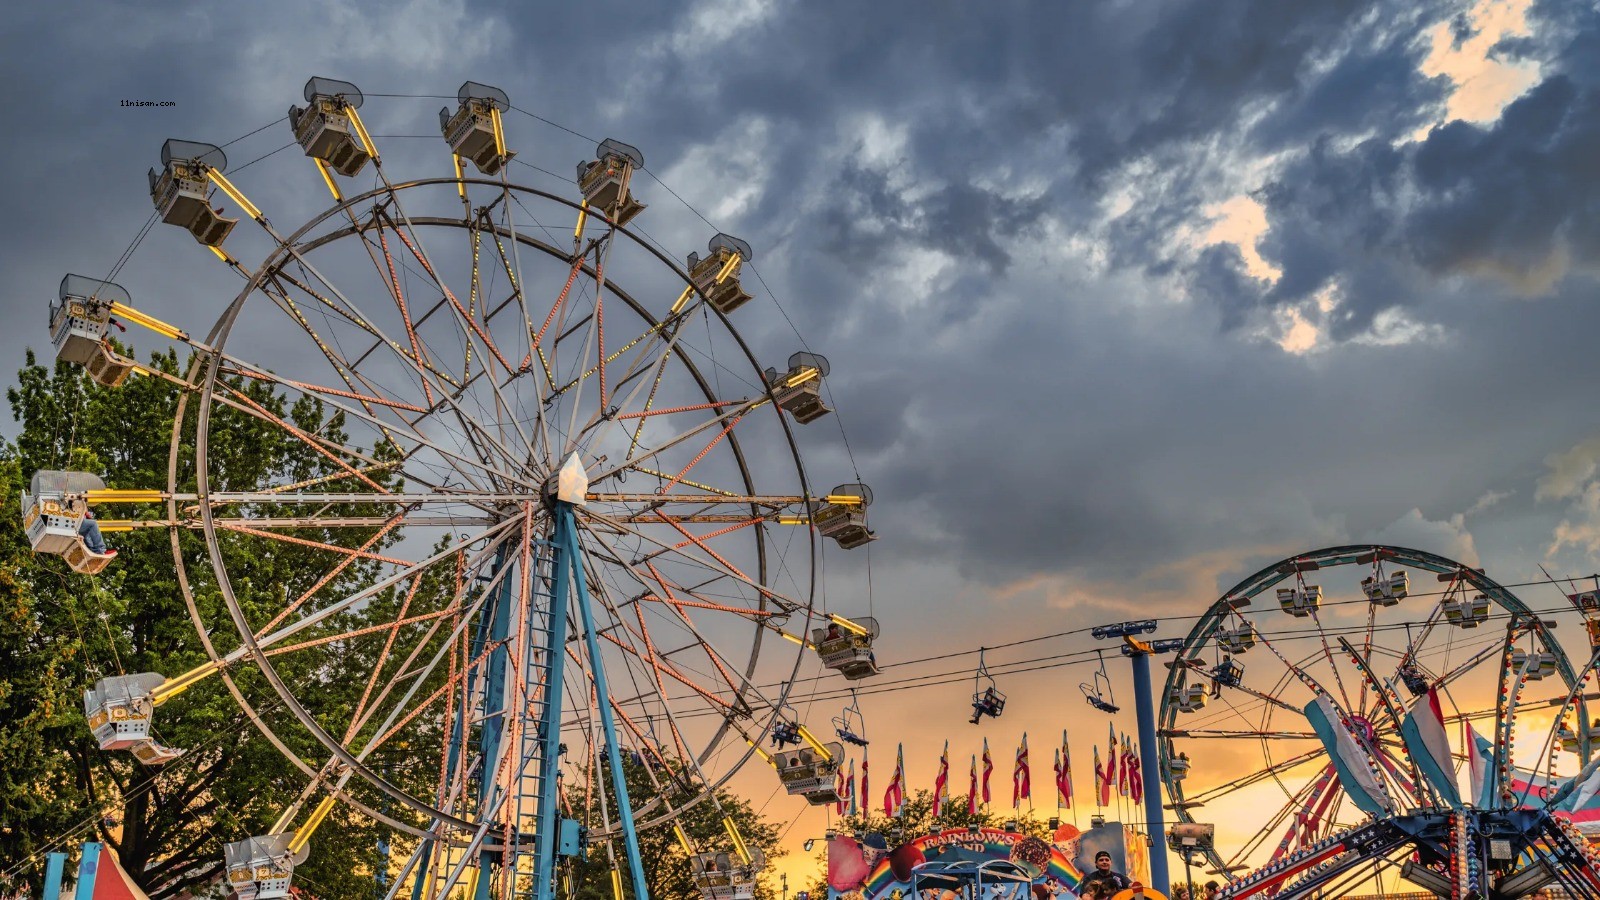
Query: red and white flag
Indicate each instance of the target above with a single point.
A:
(1065, 782)
(866, 797)
(941, 782)
(1021, 783)
(1135, 774)
(894, 799)
(972, 789)
(988, 769)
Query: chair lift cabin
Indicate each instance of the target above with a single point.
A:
(474, 131)
(181, 191)
(606, 182)
(799, 390)
(717, 274)
(846, 647)
(327, 127)
(724, 876)
(120, 710)
(79, 321)
(842, 515)
(53, 509)
(260, 868)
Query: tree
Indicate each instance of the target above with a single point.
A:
(63, 630)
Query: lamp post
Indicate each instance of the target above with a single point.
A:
(1189, 838)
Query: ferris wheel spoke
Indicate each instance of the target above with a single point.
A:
(350, 556)
(1272, 771)
(722, 566)
(1195, 668)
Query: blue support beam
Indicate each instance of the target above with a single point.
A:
(550, 720)
(1144, 703)
(87, 866)
(494, 707)
(55, 864)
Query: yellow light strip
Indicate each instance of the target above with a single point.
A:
(683, 298)
(683, 839)
(303, 835)
(763, 753)
(848, 625)
(361, 132)
(794, 639)
(150, 322)
(500, 150)
(109, 526)
(803, 376)
(221, 181)
(175, 686)
(461, 186)
(221, 254)
(282, 824)
(616, 883)
(815, 744)
(728, 267)
(794, 520)
(327, 179)
(737, 838)
(113, 495)
(842, 500)
(583, 219)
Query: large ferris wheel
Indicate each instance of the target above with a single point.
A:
(561, 513)
(1292, 712)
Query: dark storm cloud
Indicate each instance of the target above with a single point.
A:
(974, 211)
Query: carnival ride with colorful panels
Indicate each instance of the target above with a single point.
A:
(586, 536)
(1353, 730)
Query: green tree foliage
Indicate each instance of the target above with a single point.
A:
(61, 631)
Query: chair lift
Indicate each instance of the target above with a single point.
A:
(848, 650)
(986, 697)
(181, 191)
(785, 731)
(717, 274)
(53, 508)
(79, 323)
(1097, 690)
(1415, 680)
(799, 390)
(851, 725)
(327, 127)
(474, 131)
(811, 770)
(1227, 673)
(606, 181)
(842, 515)
(120, 710)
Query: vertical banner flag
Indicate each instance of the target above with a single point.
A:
(1136, 775)
(1102, 791)
(840, 789)
(1423, 732)
(988, 769)
(1125, 784)
(1057, 770)
(866, 798)
(850, 784)
(1112, 761)
(1021, 789)
(894, 799)
(1480, 756)
(941, 782)
(1066, 770)
(1351, 762)
(972, 788)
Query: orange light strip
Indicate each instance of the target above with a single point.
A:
(701, 604)
(577, 266)
(332, 574)
(315, 445)
(370, 629)
(405, 312)
(450, 295)
(289, 539)
(721, 669)
(669, 670)
(323, 389)
(694, 462)
(680, 409)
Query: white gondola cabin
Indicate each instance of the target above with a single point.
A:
(1466, 613)
(182, 192)
(1237, 640)
(79, 321)
(120, 709)
(474, 131)
(846, 651)
(799, 390)
(53, 508)
(1386, 591)
(260, 868)
(842, 515)
(717, 275)
(1179, 766)
(325, 128)
(1567, 738)
(805, 772)
(1189, 697)
(1540, 664)
(724, 876)
(606, 181)
(1300, 602)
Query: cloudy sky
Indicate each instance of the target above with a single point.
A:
(1123, 299)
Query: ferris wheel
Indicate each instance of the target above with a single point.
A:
(1290, 712)
(562, 515)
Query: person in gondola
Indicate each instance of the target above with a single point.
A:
(833, 633)
(89, 530)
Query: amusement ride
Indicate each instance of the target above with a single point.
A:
(553, 462)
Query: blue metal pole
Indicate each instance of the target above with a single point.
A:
(1144, 702)
(494, 711)
(86, 869)
(55, 864)
(619, 778)
(550, 718)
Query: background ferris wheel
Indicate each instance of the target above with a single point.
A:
(558, 503)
